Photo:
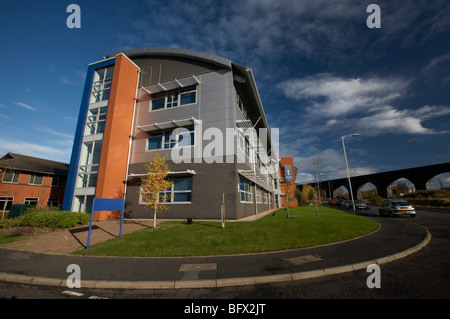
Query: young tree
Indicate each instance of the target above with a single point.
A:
(154, 185)
(298, 196)
(308, 193)
(316, 168)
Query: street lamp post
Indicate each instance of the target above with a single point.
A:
(346, 164)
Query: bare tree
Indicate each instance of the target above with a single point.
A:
(316, 169)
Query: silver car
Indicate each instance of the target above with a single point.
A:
(397, 208)
(348, 204)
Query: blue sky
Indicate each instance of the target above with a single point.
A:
(321, 72)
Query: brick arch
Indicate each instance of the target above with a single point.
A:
(404, 179)
(359, 188)
(427, 184)
(419, 176)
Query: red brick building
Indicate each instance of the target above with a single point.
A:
(288, 162)
(31, 181)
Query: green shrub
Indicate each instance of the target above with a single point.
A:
(433, 193)
(36, 209)
(52, 219)
(429, 202)
(376, 200)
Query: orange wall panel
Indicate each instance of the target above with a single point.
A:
(116, 137)
(283, 185)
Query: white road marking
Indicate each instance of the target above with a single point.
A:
(73, 293)
(303, 259)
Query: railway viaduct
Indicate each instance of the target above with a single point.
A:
(419, 176)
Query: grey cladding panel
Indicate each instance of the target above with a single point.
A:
(166, 69)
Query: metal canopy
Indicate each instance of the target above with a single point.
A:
(166, 125)
(171, 85)
(188, 171)
(255, 178)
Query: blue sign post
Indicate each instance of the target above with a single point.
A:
(288, 173)
(369, 212)
(100, 204)
(288, 178)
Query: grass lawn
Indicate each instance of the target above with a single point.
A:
(8, 238)
(271, 233)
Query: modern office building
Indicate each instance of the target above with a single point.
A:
(200, 110)
(31, 181)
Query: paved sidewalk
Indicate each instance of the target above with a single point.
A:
(66, 241)
(395, 239)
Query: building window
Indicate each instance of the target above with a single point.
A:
(173, 99)
(89, 162)
(10, 177)
(265, 198)
(83, 203)
(32, 201)
(57, 181)
(244, 143)
(167, 139)
(101, 85)
(245, 190)
(95, 122)
(181, 189)
(179, 192)
(6, 202)
(35, 179)
(259, 195)
(241, 106)
(53, 202)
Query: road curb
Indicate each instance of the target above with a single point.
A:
(220, 282)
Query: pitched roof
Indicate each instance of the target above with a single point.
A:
(33, 164)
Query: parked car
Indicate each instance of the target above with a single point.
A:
(340, 202)
(347, 204)
(397, 208)
(333, 202)
(360, 204)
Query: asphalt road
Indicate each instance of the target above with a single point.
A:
(422, 275)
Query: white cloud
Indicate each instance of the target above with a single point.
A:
(331, 165)
(48, 147)
(53, 132)
(32, 149)
(251, 31)
(21, 104)
(364, 104)
(71, 118)
(436, 61)
(329, 106)
(389, 119)
(330, 96)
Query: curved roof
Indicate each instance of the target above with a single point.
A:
(243, 75)
(175, 52)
